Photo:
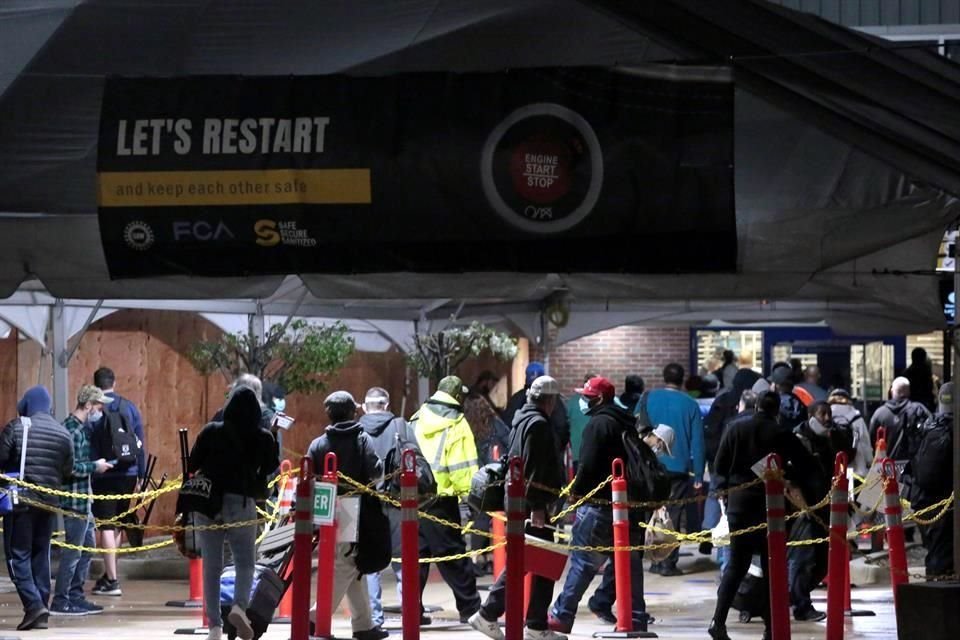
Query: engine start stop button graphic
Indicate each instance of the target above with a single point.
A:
(542, 168)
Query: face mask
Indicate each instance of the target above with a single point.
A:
(95, 416)
(279, 404)
(584, 406)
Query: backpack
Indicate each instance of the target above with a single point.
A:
(909, 435)
(116, 440)
(426, 483)
(843, 436)
(934, 455)
(374, 545)
(647, 479)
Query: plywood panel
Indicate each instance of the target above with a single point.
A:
(8, 377)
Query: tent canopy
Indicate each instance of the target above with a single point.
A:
(846, 152)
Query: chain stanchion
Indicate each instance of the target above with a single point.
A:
(285, 502)
(893, 519)
(409, 546)
(326, 554)
(515, 550)
(195, 599)
(621, 559)
(498, 529)
(848, 609)
(302, 554)
(777, 549)
(839, 504)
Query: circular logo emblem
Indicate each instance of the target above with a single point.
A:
(138, 235)
(542, 168)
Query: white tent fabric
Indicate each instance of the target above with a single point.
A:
(841, 196)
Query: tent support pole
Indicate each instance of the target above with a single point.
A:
(83, 330)
(61, 361)
(956, 414)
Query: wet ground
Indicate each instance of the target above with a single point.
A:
(682, 606)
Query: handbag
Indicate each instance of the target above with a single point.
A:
(9, 496)
(198, 494)
(661, 520)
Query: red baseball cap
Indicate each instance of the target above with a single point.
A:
(598, 387)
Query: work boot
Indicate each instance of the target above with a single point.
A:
(555, 624)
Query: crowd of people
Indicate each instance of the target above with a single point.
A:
(706, 441)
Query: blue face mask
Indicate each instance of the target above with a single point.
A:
(584, 406)
(279, 404)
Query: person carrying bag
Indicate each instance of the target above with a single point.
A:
(229, 466)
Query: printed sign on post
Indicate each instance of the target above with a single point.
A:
(348, 519)
(324, 503)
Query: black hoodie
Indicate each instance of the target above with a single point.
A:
(236, 454)
(534, 441)
(356, 457)
(602, 443)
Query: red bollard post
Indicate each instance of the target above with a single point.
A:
(410, 546)
(499, 531)
(302, 554)
(516, 539)
(326, 554)
(893, 518)
(838, 563)
(777, 550)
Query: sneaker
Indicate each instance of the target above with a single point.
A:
(553, 624)
(107, 588)
(238, 618)
(91, 609)
(465, 617)
(538, 634)
(371, 634)
(425, 620)
(68, 609)
(486, 627)
(215, 633)
(656, 567)
(810, 615)
(34, 620)
(669, 572)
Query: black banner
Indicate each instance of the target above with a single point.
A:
(537, 170)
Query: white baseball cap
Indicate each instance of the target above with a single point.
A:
(666, 434)
(543, 386)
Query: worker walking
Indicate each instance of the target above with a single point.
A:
(446, 440)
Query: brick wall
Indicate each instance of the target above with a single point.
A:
(615, 353)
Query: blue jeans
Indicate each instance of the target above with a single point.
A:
(26, 542)
(242, 541)
(74, 565)
(373, 579)
(594, 527)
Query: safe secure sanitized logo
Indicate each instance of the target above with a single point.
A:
(542, 168)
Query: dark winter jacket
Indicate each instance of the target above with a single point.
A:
(534, 441)
(49, 457)
(237, 454)
(724, 409)
(356, 457)
(558, 419)
(748, 440)
(602, 443)
(383, 428)
(892, 416)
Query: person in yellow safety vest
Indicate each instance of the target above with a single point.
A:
(446, 440)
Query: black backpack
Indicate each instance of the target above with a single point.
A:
(909, 435)
(426, 483)
(116, 440)
(374, 546)
(843, 437)
(647, 479)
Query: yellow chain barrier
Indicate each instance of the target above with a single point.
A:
(170, 485)
(576, 505)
